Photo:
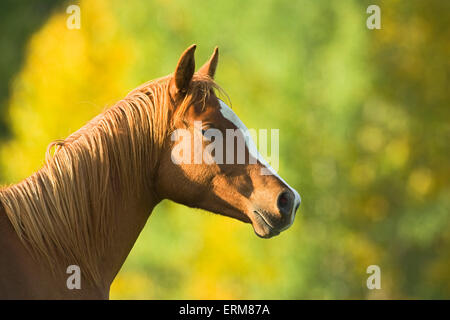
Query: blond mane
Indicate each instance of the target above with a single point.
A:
(63, 213)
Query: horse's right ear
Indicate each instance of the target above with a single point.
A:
(184, 71)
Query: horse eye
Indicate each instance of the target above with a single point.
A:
(205, 136)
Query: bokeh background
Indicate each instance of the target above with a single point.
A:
(364, 135)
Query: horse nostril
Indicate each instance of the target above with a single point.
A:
(284, 203)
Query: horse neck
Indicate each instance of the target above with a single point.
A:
(129, 212)
(14, 261)
(22, 276)
(131, 219)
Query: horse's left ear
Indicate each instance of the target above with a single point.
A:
(184, 71)
(209, 68)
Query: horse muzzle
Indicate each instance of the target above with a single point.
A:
(269, 223)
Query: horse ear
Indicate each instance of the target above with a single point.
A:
(185, 70)
(209, 68)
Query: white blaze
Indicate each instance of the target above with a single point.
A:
(253, 150)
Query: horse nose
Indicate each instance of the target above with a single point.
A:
(288, 202)
(285, 203)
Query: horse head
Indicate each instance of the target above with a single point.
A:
(209, 161)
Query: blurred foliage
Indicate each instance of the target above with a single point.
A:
(18, 19)
(364, 137)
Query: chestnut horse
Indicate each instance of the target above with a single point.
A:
(92, 197)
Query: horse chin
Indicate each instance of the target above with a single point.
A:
(262, 227)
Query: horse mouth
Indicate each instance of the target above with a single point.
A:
(263, 227)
